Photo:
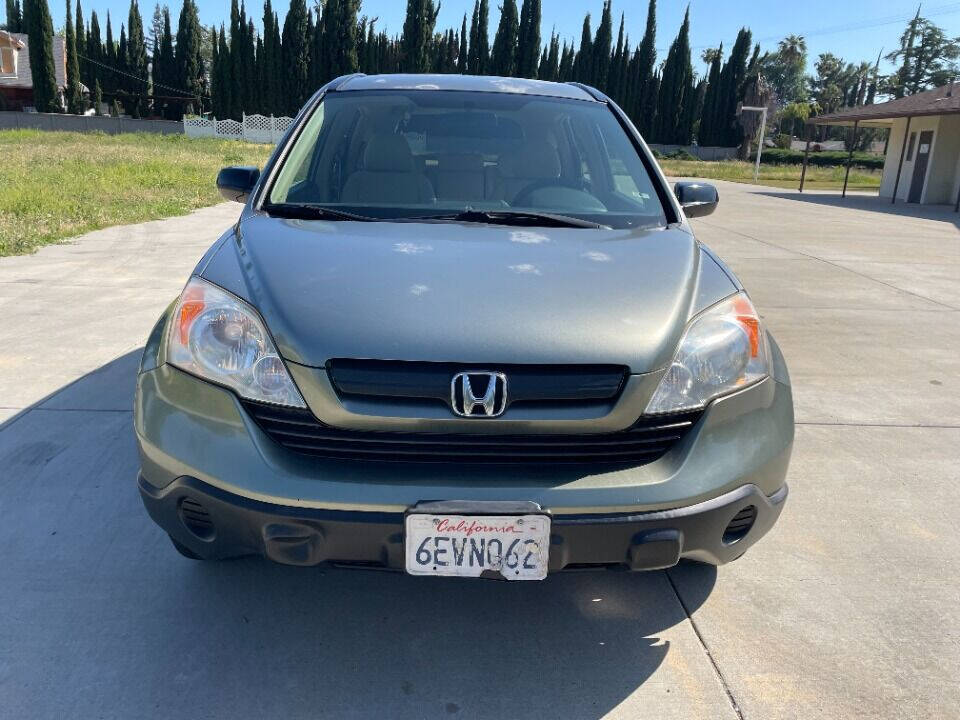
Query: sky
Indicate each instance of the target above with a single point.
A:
(855, 30)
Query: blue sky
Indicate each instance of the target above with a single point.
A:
(854, 29)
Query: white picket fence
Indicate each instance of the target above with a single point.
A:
(253, 128)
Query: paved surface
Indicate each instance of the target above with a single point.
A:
(848, 609)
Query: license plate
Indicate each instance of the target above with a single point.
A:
(514, 547)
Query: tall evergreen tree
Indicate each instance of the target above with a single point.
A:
(583, 63)
(528, 45)
(80, 37)
(73, 94)
(479, 54)
(550, 65)
(267, 63)
(645, 90)
(109, 74)
(234, 62)
(674, 123)
(295, 50)
(189, 61)
(93, 71)
(462, 53)
(615, 77)
(504, 55)
(14, 16)
(732, 78)
(567, 60)
(166, 80)
(600, 66)
(136, 62)
(46, 97)
(417, 35)
(708, 133)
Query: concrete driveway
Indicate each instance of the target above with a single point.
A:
(848, 609)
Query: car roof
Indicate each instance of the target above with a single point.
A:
(472, 83)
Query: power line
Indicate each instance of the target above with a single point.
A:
(185, 93)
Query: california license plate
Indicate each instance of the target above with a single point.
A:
(513, 547)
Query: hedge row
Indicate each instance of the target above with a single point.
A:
(776, 156)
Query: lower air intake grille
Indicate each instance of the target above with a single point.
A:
(196, 519)
(300, 431)
(740, 525)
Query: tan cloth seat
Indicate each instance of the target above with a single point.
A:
(389, 175)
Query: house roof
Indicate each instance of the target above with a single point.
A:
(939, 101)
(24, 77)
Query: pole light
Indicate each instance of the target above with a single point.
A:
(763, 129)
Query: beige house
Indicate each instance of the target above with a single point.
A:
(16, 79)
(922, 163)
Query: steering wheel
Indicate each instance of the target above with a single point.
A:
(523, 195)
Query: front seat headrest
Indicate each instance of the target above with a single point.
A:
(388, 153)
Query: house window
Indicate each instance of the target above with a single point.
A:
(913, 139)
(8, 62)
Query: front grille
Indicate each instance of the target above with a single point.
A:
(300, 431)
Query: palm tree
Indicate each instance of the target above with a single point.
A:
(792, 48)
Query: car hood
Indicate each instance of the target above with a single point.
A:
(465, 293)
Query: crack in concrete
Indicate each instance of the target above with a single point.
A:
(713, 662)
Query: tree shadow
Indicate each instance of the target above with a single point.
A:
(104, 618)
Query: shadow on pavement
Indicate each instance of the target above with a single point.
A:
(870, 203)
(104, 618)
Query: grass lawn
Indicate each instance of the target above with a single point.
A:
(55, 185)
(788, 176)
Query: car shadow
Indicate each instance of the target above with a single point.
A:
(106, 619)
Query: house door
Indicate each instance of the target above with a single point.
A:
(920, 166)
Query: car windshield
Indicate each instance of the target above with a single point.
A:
(470, 156)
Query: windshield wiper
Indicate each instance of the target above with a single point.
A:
(512, 217)
(305, 211)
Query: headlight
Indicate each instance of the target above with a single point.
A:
(723, 349)
(220, 338)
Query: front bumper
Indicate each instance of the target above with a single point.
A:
(236, 526)
(196, 441)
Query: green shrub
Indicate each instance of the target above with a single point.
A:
(681, 154)
(782, 141)
(777, 156)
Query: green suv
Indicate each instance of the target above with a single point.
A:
(463, 328)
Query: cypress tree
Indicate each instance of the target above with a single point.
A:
(504, 55)
(417, 35)
(582, 64)
(528, 46)
(80, 38)
(109, 77)
(123, 82)
(165, 71)
(600, 66)
(676, 91)
(189, 61)
(46, 97)
(223, 85)
(553, 60)
(644, 95)
(268, 85)
(732, 77)
(14, 16)
(707, 134)
(479, 55)
(296, 57)
(216, 92)
(74, 96)
(260, 105)
(136, 61)
(94, 54)
(567, 59)
(234, 62)
(462, 54)
(97, 98)
(615, 76)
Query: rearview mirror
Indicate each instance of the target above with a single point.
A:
(237, 182)
(696, 199)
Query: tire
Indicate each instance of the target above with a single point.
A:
(184, 550)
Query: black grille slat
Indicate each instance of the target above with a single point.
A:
(299, 431)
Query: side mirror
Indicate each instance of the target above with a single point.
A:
(696, 199)
(237, 182)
